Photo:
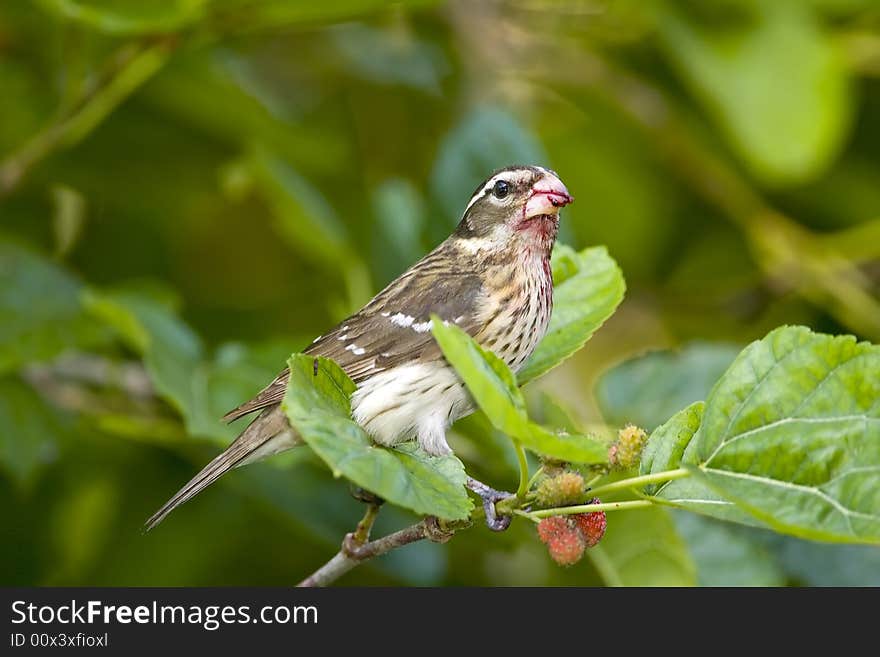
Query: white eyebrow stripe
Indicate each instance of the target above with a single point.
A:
(500, 176)
(476, 197)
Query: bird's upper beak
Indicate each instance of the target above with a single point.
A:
(548, 195)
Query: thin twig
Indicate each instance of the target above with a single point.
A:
(132, 66)
(353, 554)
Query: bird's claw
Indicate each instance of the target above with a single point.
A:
(490, 496)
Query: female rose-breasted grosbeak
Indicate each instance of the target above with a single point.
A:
(491, 277)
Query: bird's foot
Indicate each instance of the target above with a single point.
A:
(489, 496)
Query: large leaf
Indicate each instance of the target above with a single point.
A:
(821, 564)
(40, 312)
(733, 555)
(493, 387)
(774, 81)
(588, 287)
(649, 389)
(664, 451)
(790, 434)
(726, 555)
(642, 548)
(317, 405)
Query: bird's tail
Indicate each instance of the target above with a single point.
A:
(268, 434)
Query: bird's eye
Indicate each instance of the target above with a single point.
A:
(501, 189)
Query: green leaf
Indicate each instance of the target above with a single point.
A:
(40, 312)
(199, 388)
(317, 405)
(128, 17)
(556, 414)
(29, 431)
(642, 548)
(775, 82)
(82, 525)
(68, 218)
(649, 389)
(668, 442)
(172, 353)
(725, 555)
(792, 434)
(493, 387)
(488, 379)
(665, 450)
(821, 564)
(591, 288)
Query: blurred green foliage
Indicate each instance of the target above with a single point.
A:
(192, 189)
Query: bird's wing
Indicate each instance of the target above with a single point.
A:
(394, 328)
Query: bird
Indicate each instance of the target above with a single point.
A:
(491, 277)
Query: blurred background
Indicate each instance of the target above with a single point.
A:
(192, 189)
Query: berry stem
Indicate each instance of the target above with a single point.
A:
(643, 480)
(527, 515)
(536, 476)
(586, 508)
(524, 479)
(588, 486)
(362, 533)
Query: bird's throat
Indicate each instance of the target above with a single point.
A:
(539, 232)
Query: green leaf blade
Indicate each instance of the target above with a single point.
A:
(791, 433)
(493, 387)
(668, 442)
(777, 85)
(582, 301)
(317, 405)
(40, 311)
(651, 388)
(727, 555)
(487, 377)
(643, 548)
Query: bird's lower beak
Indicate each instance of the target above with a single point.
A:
(548, 195)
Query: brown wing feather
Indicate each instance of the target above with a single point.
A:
(369, 341)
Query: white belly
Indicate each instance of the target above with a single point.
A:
(411, 401)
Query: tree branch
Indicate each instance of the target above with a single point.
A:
(133, 65)
(354, 553)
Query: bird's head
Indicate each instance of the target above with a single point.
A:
(515, 203)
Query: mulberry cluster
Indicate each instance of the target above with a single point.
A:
(561, 489)
(626, 451)
(566, 537)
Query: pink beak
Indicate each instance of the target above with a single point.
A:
(548, 195)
